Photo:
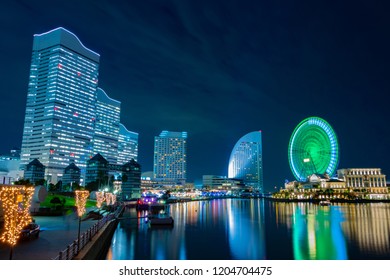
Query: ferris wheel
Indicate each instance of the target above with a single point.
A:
(313, 148)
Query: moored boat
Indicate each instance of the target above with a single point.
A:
(324, 203)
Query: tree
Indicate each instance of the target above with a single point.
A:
(40, 182)
(56, 200)
(23, 182)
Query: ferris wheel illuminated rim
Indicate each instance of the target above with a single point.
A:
(313, 148)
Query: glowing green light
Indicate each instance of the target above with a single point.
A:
(313, 148)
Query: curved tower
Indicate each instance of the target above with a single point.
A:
(246, 160)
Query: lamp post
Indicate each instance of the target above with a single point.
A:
(81, 200)
(16, 201)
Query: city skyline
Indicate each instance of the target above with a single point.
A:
(69, 119)
(220, 70)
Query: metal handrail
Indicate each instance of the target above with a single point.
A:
(72, 249)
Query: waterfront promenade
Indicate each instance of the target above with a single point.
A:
(57, 232)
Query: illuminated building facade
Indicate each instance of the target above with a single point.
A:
(107, 120)
(246, 161)
(222, 183)
(9, 167)
(365, 181)
(97, 172)
(127, 145)
(34, 171)
(71, 176)
(68, 118)
(352, 183)
(131, 180)
(60, 109)
(170, 157)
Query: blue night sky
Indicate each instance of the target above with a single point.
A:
(221, 69)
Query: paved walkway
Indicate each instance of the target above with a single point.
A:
(56, 233)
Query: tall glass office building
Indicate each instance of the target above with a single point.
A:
(60, 110)
(246, 161)
(170, 157)
(108, 112)
(127, 145)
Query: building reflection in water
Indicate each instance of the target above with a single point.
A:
(325, 232)
(245, 227)
(317, 233)
(217, 229)
(235, 229)
(369, 225)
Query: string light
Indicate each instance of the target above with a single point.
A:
(16, 201)
(99, 199)
(113, 199)
(81, 201)
(108, 198)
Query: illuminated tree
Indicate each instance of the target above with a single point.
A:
(108, 198)
(99, 199)
(81, 201)
(16, 201)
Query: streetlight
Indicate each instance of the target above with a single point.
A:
(81, 200)
(16, 202)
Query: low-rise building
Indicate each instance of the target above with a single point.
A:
(351, 183)
(215, 182)
(34, 172)
(71, 176)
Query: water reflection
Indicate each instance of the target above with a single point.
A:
(240, 229)
(218, 229)
(369, 225)
(317, 233)
(245, 225)
(341, 231)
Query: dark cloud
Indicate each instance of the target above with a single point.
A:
(220, 69)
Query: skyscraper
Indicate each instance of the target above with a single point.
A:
(60, 110)
(127, 145)
(246, 161)
(107, 120)
(170, 157)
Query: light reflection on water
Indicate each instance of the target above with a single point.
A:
(257, 229)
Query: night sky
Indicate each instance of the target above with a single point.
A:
(221, 69)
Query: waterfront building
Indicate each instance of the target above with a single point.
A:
(97, 173)
(10, 167)
(361, 183)
(131, 180)
(71, 176)
(246, 161)
(170, 158)
(365, 181)
(127, 145)
(34, 172)
(215, 182)
(61, 99)
(107, 120)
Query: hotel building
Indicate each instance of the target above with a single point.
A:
(60, 109)
(68, 118)
(246, 161)
(105, 140)
(127, 145)
(170, 158)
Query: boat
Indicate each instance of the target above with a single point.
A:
(160, 219)
(324, 203)
(150, 202)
